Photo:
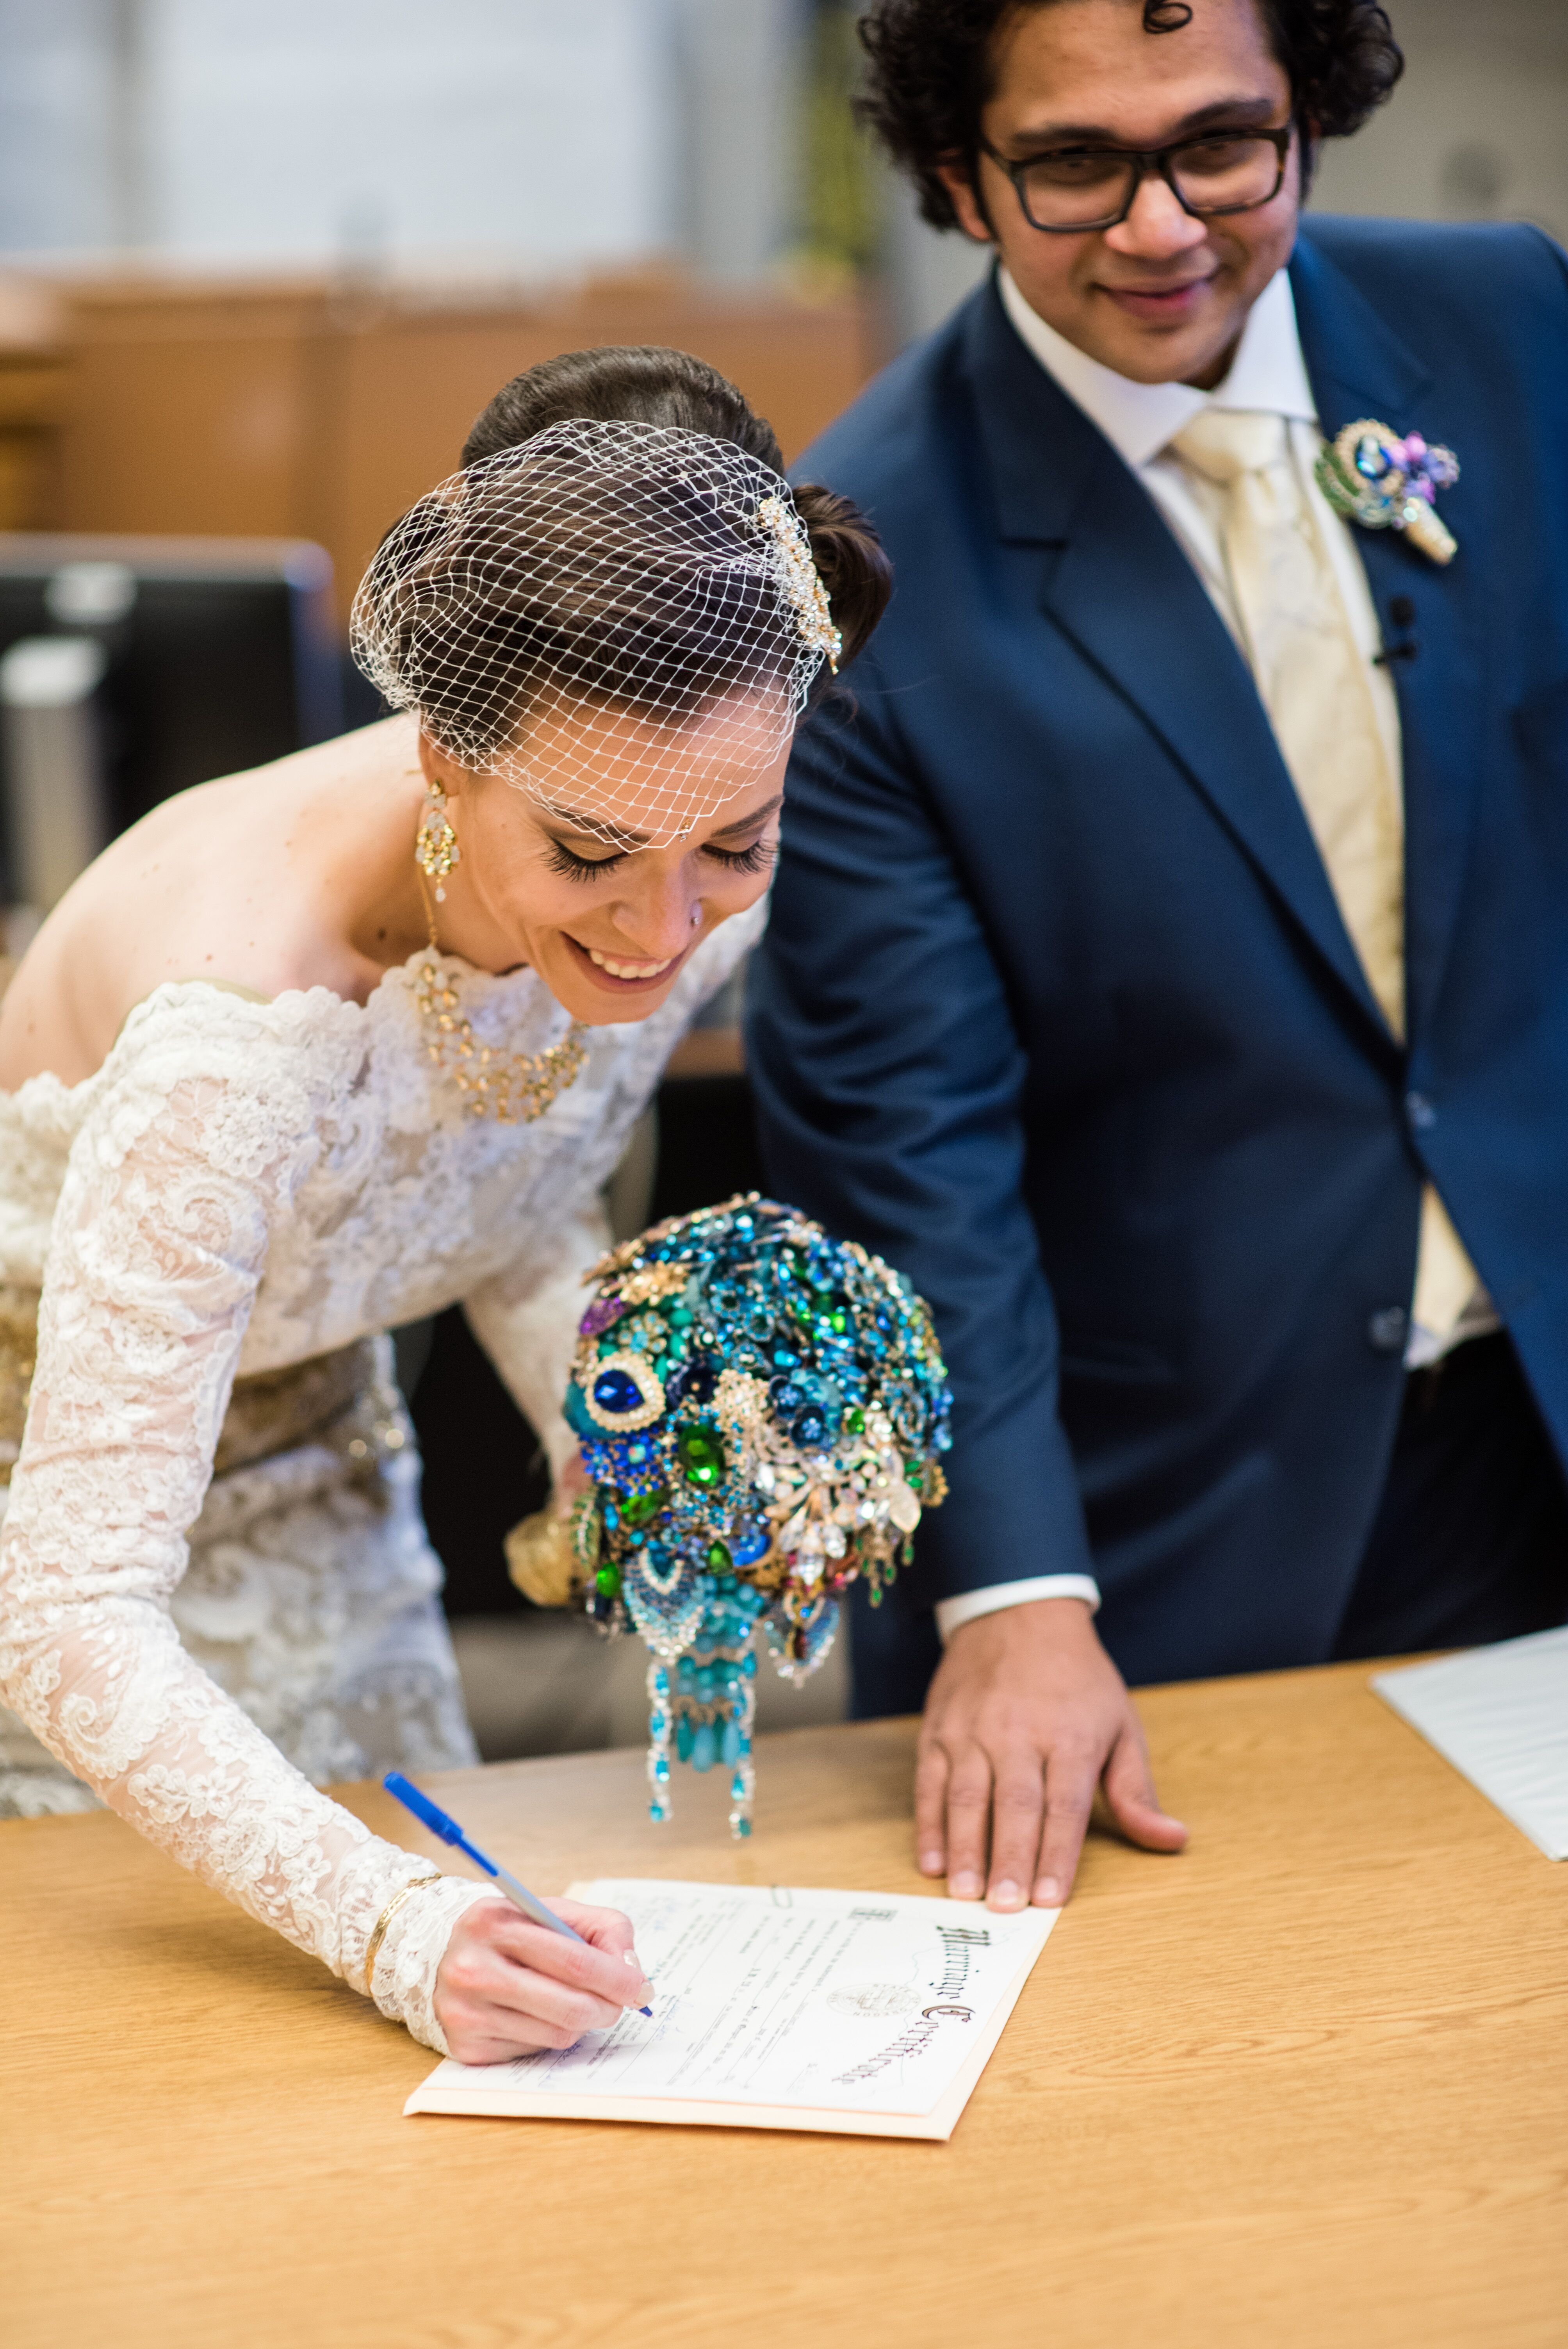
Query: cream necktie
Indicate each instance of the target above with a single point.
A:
(1312, 678)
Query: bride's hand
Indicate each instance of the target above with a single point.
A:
(507, 1987)
(570, 1485)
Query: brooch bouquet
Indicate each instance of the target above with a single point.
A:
(762, 1410)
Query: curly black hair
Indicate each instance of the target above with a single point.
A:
(929, 74)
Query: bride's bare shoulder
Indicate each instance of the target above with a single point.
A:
(259, 881)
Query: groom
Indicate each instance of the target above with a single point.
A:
(1168, 960)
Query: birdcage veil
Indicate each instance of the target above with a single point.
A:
(622, 620)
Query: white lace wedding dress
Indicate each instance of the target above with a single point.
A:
(245, 1185)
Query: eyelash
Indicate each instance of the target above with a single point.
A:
(559, 859)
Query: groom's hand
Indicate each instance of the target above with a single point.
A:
(1025, 1717)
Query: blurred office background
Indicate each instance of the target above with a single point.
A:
(260, 268)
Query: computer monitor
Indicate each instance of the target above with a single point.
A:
(220, 653)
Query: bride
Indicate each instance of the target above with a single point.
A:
(321, 1049)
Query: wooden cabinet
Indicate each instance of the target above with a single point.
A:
(32, 380)
(304, 410)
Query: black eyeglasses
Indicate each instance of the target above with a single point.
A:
(1071, 188)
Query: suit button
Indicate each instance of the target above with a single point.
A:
(1421, 1112)
(1386, 1329)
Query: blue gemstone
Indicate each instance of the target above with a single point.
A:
(705, 1748)
(617, 1392)
(685, 1734)
(574, 1411)
(729, 1743)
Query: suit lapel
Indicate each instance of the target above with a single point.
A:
(1124, 592)
(1358, 368)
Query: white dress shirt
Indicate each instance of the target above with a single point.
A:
(1268, 374)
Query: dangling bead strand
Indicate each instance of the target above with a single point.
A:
(658, 1740)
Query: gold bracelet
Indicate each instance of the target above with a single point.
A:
(378, 1931)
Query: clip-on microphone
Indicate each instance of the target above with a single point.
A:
(1402, 614)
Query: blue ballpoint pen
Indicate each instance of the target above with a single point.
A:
(431, 1816)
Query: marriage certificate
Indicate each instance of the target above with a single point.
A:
(862, 2013)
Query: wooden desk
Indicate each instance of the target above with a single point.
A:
(1307, 2084)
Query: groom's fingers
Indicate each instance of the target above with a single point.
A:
(1133, 1803)
(931, 1809)
(1072, 1773)
(1017, 1805)
(968, 1821)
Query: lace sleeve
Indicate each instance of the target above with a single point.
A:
(526, 1319)
(155, 1254)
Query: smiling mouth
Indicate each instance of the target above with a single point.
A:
(1140, 293)
(629, 969)
(619, 972)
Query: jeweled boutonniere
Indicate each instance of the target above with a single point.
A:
(1368, 473)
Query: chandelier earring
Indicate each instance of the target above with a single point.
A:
(435, 849)
(514, 1088)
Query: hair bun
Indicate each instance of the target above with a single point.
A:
(851, 563)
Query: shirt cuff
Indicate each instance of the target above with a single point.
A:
(951, 1612)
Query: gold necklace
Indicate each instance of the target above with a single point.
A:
(514, 1088)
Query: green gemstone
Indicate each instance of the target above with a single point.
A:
(838, 1323)
(701, 1453)
(678, 1316)
(607, 1582)
(637, 1508)
(855, 1421)
(718, 1559)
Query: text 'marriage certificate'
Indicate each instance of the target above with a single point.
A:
(781, 2008)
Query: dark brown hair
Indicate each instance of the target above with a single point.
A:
(929, 74)
(647, 384)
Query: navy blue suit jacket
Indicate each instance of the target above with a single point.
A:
(1056, 1009)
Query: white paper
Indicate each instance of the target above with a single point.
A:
(1498, 1714)
(781, 2008)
